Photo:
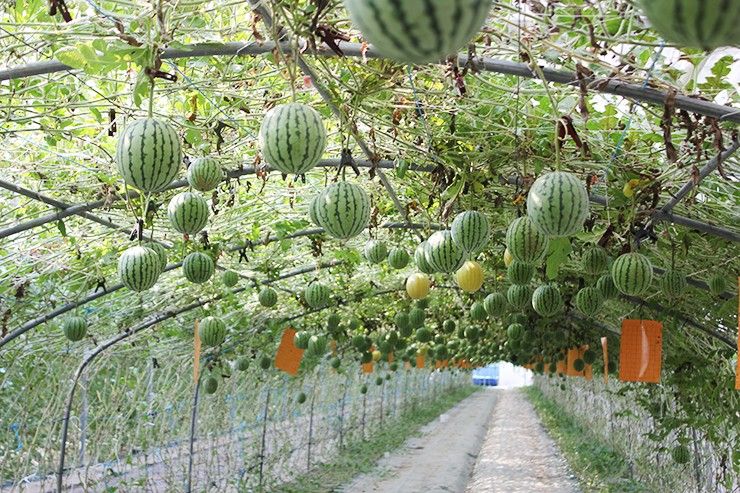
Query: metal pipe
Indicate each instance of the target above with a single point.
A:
(356, 50)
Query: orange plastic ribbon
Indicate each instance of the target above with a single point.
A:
(606, 359)
(288, 357)
(641, 351)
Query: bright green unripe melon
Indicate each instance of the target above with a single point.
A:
(230, 278)
(673, 284)
(525, 242)
(212, 331)
(343, 210)
(443, 254)
(198, 267)
(75, 328)
(632, 273)
(375, 251)
(594, 260)
(148, 154)
(316, 295)
(547, 300)
(470, 230)
(292, 138)
(204, 174)
(495, 304)
(398, 258)
(188, 213)
(418, 31)
(717, 284)
(139, 268)
(558, 204)
(519, 272)
(268, 297)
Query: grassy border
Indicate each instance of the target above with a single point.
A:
(361, 457)
(598, 466)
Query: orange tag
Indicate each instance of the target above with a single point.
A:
(573, 355)
(288, 356)
(367, 367)
(561, 367)
(606, 359)
(641, 351)
(196, 353)
(420, 361)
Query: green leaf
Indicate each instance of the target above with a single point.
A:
(557, 255)
(62, 228)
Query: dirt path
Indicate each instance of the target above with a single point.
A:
(440, 459)
(517, 455)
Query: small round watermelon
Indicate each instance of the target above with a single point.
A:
(420, 258)
(632, 273)
(524, 242)
(230, 278)
(242, 364)
(300, 339)
(210, 385)
(605, 284)
(557, 204)
(423, 335)
(416, 318)
(515, 331)
(265, 362)
(267, 297)
(681, 454)
(316, 295)
(402, 320)
(519, 296)
(139, 268)
(595, 260)
(375, 251)
(204, 174)
(519, 273)
(673, 284)
(188, 213)
(398, 258)
(75, 328)
(470, 230)
(212, 331)
(588, 300)
(478, 312)
(292, 138)
(333, 321)
(442, 253)
(495, 304)
(161, 251)
(198, 267)
(547, 300)
(579, 365)
(343, 210)
(448, 326)
(148, 154)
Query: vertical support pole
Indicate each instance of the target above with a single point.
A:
(193, 421)
(696, 461)
(382, 396)
(310, 426)
(83, 418)
(364, 410)
(341, 416)
(264, 436)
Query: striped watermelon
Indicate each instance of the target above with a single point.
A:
(198, 267)
(519, 296)
(515, 331)
(557, 204)
(472, 333)
(398, 258)
(139, 267)
(188, 213)
(230, 278)
(420, 258)
(212, 331)
(402, 320)
(313, 210)
(448, 326)
(442, 253)
(469, 277)
(495, 304)
(519, 272)
(632, 273)
(524, 242)
(292, 138)
(717, 284)
(148, 154)
(333, 321)
(470, 230)
(267, 297)
(343, 210)
(316, 295)
(605, 284)
(705, 24)
(681, 454)
(595, 260)
(242, 364)
(546, 300)
(418, 31)
(75, 328)
(478, 312)
(204, 174)
(588, 300)
(416, 318)
(673, 284)
(423, 335)
(210, 385)
(161, 252)
(375, 251)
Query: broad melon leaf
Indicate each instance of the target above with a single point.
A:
(557, 255)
